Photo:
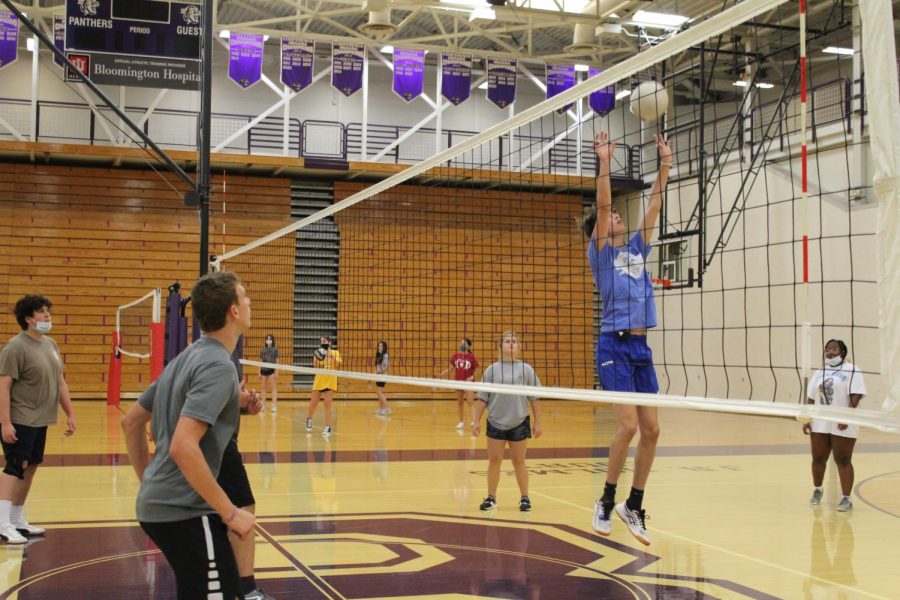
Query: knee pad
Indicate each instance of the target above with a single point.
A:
(15, 466)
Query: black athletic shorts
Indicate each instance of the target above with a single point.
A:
(29, 445)
(380, 383)
(519, 433)
(233, 477)
(266, 372)
(199, 552)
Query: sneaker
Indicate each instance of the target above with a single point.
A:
(327, 431)
(26, 528)
(489, 503)
(635, 519)
(308, 425)
(9, 534)
(258, 594)
(816, 497)
(385, 412)
(845, 505)
(460, 425)
(274, 409)
(525, 504)
(602, 512)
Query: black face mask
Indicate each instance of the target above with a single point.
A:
(325, 346)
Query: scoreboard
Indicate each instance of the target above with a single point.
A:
(137, 27)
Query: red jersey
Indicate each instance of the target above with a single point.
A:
(465, 364)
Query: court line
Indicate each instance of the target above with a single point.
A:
(730, 552)
(319, 583)
(858, 491)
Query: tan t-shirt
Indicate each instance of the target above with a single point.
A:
(36, 368)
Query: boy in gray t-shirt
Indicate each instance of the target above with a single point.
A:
(194, 409)
(508, 421)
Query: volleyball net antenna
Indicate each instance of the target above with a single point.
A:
(138, 344)
(771, 240)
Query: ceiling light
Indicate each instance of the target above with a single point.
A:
(581, 68)
(387, 49)
(838, 50)
(623, 94)
(484, 85)
(655, 19)
(765, 86)
(741, 83)
(225, 34)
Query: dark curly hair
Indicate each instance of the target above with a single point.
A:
(27, 306)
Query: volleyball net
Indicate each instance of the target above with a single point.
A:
(768, 244)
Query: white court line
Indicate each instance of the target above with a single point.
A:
(729, 552)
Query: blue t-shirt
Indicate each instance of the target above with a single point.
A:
(624, 284)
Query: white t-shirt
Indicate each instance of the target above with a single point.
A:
(832, 387)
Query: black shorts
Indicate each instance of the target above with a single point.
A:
(199, 552)
(266, 372)
(380, 383)
(29, 445)
(519, 433)
(233, 477)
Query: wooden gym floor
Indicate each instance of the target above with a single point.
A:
(388, 508)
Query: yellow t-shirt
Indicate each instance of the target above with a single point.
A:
(332, 362)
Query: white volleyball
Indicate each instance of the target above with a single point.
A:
(649, 101)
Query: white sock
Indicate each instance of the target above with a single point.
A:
(5, 506)
(818, 488)
(15, 515)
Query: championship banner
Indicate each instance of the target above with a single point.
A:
(409, 73)
(9, 38)
(456, 76)
(602, 101)
(245, 58)
(559, 79)
(501, 73)
(59, 36)
(297, 63)
(155, 43)
(347, 62)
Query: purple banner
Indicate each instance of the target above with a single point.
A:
(603, 100)
(559, 79)
(347, 63)
(245, 56)
(456, 76)
(9, 38)
(297, 63)
(501, 74)
(59, 36)
(409, 73)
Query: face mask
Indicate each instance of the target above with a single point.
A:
(834, 361)
(43, 326)
(325, 346)
(269, 342)
(462, 347)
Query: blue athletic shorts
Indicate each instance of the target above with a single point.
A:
(625, 363)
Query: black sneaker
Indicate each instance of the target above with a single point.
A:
(525, 504)
(489, 503)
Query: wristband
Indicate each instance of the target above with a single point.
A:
(233, 515)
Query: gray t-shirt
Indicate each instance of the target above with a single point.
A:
(200, 383)
(507, 411)
(36, 369)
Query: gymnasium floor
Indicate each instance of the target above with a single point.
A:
(388, 508)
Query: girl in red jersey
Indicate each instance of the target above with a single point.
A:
(464, 364)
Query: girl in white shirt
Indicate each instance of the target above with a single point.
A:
(841, 384)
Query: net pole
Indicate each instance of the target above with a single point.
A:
(806, 327)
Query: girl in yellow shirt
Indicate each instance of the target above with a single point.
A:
(324, 385)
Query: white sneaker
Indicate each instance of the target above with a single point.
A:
(26, 528)
(846, 504)
(308, 425)
(816, 497)
(9, 534)
(385, 411)
(602, 522)
(460, 425)
(274, 409)
(635, 521)
(327, 431)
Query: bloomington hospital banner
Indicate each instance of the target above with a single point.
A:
(456, 76)
(347, 63)
(9, 38)
(145, 44)
(501, 74)
(245, 58)
(409, 73)
(298, 59)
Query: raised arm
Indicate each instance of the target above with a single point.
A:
(656, 192)
(604, 151)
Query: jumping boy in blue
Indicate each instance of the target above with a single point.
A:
(624, 360)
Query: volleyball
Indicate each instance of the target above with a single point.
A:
(320, 353)
(649, 101)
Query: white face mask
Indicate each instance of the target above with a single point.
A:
(834, 361)
(43, 326)
(269, 342)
